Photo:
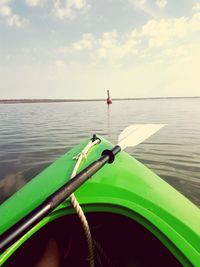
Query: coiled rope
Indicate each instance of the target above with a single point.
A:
(77, 206)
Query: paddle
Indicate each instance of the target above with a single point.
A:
(130, 137)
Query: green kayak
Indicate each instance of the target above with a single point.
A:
(135, 218)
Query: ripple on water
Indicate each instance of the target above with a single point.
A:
(34, 135)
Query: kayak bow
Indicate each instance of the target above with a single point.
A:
(125, 188)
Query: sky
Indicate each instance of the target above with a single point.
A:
(77, 49)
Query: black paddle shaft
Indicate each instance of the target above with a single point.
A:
(26, 223)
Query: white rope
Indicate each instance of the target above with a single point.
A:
(77, 206)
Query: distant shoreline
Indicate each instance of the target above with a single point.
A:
(29, 101)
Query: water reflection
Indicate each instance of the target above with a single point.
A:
(108, 122)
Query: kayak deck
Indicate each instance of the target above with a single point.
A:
(125, 187)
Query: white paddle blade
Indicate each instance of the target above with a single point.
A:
(133, 135)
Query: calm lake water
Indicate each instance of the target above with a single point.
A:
(34, 135)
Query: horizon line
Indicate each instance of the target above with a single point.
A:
(51, 100)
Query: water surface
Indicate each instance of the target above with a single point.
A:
(34, 135)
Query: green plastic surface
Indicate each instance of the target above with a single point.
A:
(125, 187)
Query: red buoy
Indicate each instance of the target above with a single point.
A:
(109, 99)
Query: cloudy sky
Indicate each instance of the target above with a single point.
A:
(81, 48)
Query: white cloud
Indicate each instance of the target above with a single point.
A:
(68, 8)
(110, 46)
(35, 3)
(5, 10)
(13, 20)
(87, 42)
(16, 20)
(196, 7)
(161, 3)
(157, 40)
(163, 32)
